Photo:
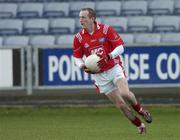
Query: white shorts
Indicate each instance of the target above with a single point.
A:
(105, 81)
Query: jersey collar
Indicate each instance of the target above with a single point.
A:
(97, 27)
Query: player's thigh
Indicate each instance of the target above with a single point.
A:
(117, 72)
(122, 85)
(115, 97)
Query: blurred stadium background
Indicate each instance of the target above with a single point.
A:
(36, 36)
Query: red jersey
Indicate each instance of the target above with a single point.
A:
(103, 41)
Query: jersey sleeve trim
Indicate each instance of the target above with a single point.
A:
(79, 37)
(105, 29)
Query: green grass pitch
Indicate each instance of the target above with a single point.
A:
(104, 123)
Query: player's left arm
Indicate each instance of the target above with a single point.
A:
(117, 43)
(114, 38)
(116, 52)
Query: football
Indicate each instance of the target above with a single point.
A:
(91, 62)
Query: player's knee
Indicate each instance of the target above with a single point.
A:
(125, 93)
(120, 104)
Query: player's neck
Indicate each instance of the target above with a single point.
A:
(91, 29)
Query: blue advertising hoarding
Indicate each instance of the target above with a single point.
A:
(144, 66)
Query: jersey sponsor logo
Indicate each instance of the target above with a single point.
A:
(98, 50)
(102, 40)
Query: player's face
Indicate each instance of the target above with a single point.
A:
(85, 20)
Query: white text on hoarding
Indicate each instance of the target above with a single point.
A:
(56, 65)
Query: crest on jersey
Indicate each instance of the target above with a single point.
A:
(102, 40)
(86, 45)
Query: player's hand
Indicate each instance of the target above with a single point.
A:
(84, 68)
(104, 59)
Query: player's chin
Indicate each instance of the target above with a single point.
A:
(83, 27)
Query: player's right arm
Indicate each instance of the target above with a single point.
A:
(78, 54)
(80, 63)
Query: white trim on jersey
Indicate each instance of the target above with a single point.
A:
(79, 37)
(105, 29)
